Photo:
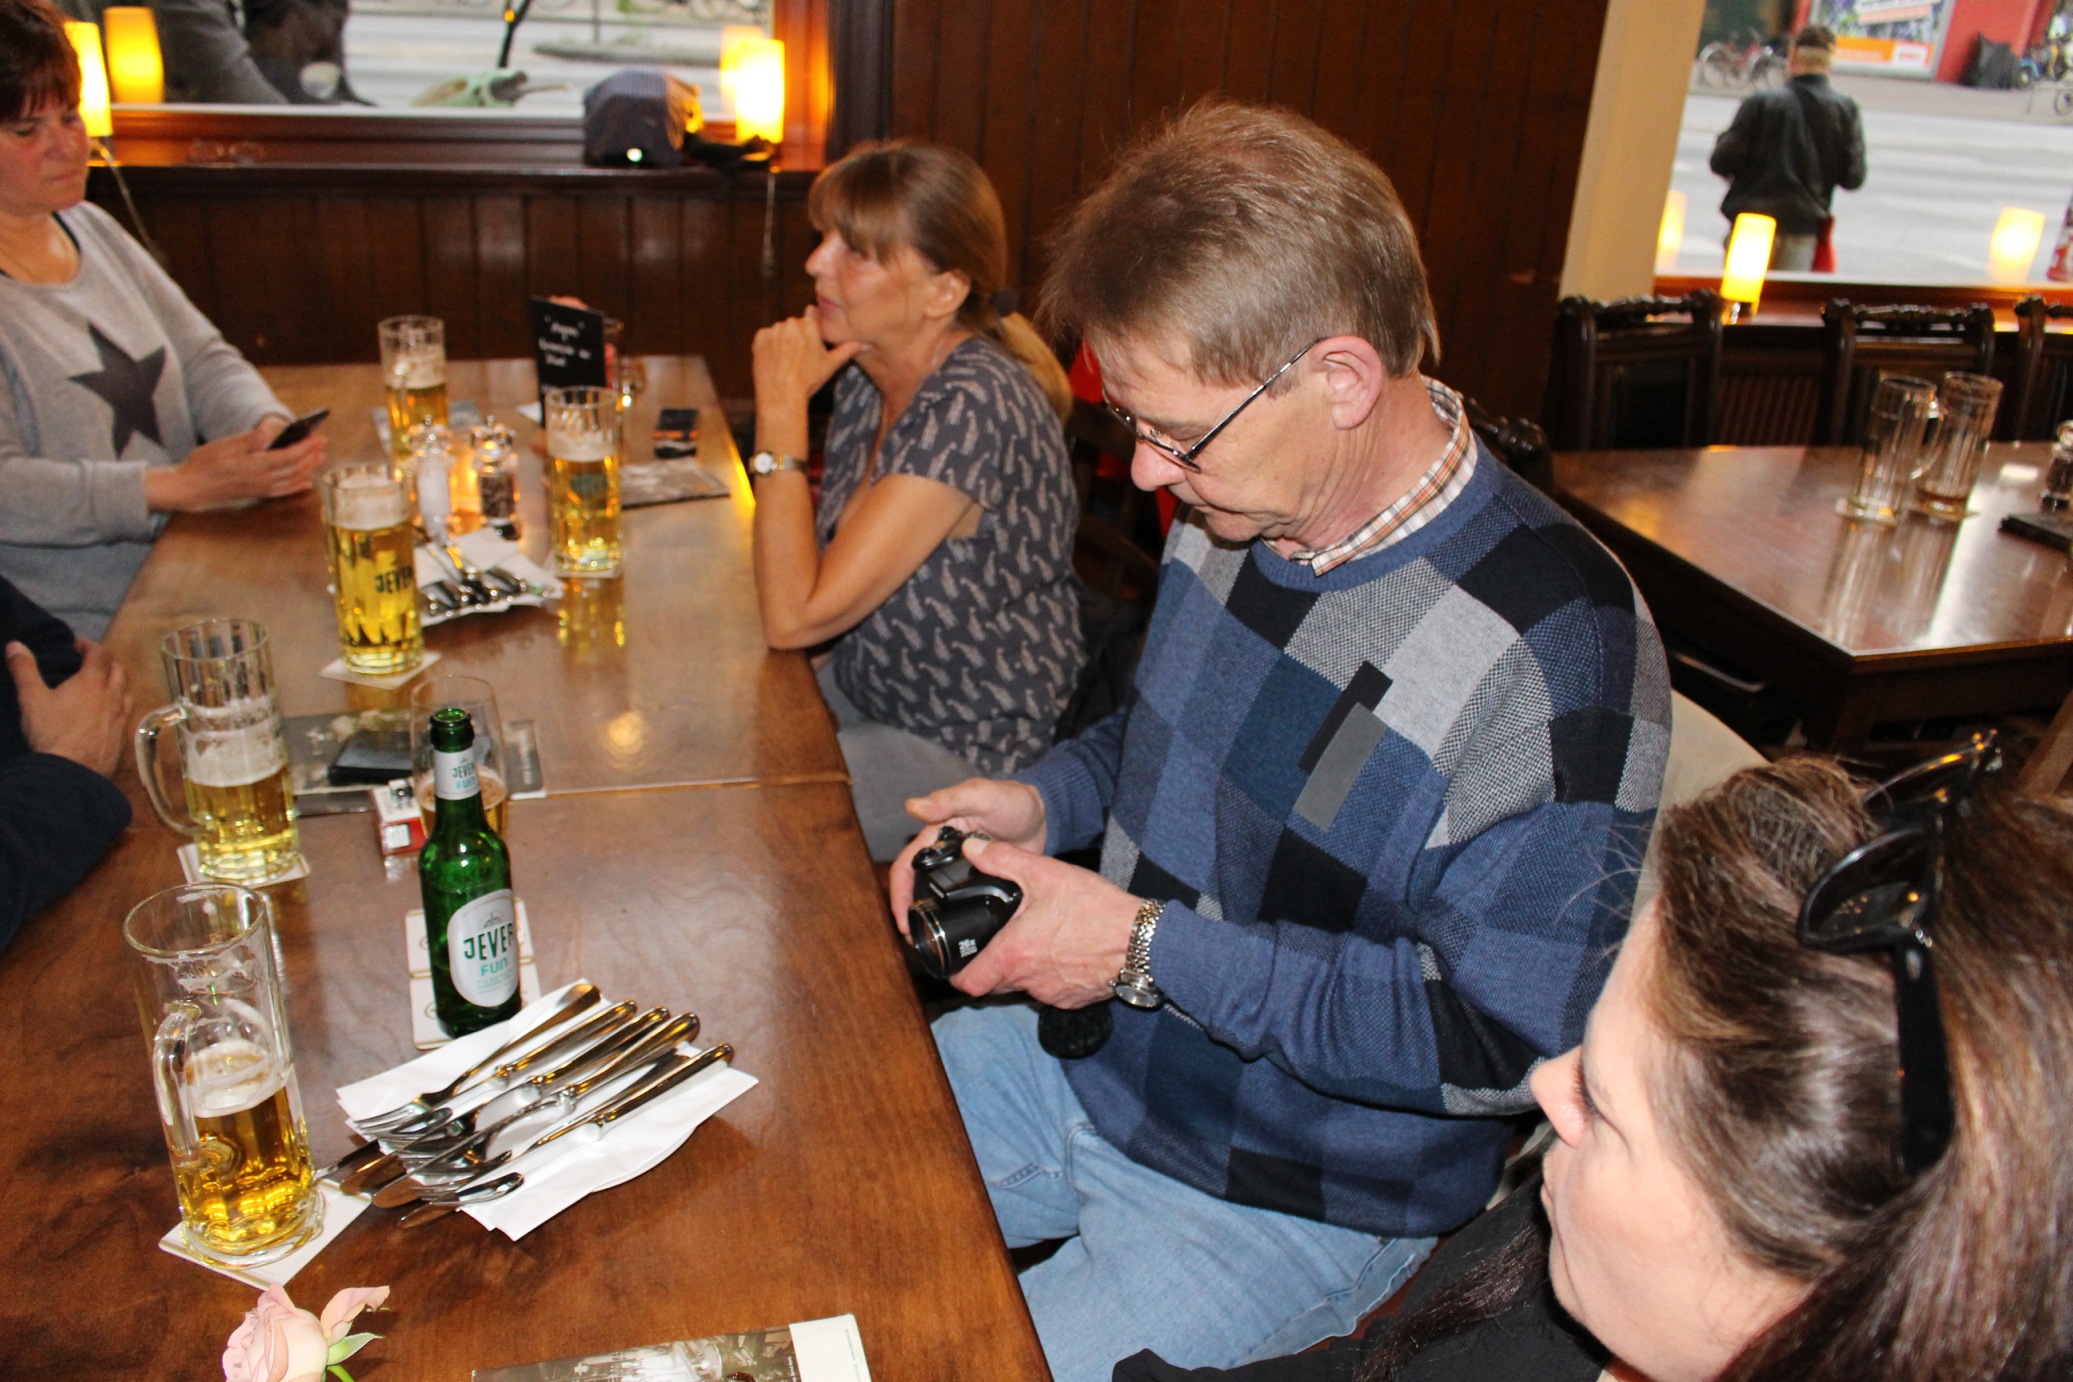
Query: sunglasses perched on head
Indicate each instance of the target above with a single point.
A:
(1883, 895)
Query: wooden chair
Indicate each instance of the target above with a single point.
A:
(1862, 345)
(1518, 442)
(1626, 378)
(2050, 762)
(2043, 372)
(1116, 560)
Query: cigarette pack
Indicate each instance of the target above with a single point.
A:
(398, 826)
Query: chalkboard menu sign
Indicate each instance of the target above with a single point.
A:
(568, 346)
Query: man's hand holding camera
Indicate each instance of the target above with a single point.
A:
(1068, 940)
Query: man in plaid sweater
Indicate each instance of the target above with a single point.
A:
(1370, 825)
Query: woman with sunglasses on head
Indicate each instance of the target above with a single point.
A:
(1811, 1132)
(938, 561)
(119, 402)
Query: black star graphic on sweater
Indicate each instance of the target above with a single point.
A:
(127, 385)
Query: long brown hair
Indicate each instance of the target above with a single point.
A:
(936, 201)
(1778, 1093)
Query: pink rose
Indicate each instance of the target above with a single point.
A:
(277, 1342)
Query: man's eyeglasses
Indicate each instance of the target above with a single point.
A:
(1883, 896)
(1185, 456)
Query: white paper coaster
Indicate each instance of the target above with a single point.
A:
(337, 671)
(191, 865)
(425, 1031)
(340, 1209)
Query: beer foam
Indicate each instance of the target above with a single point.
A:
(233, 757)
(418, 369)
(368, 501)
(580, 445)
(229, 1078)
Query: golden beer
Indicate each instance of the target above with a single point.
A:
(413, 404)
(413, 367)
(368, 535)
(583, 511)
(240, 794)
(246, 1185)
(495, 801)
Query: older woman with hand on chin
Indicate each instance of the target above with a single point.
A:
(112, 379)
(1808, 1133)
(938, 561)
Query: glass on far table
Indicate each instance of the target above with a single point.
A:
(413, 366)
(1892, 454)
(1967, 403)
(583, 479)
(479, 699)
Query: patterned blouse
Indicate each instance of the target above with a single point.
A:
(980, 648)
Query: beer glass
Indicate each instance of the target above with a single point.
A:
(413, 367)
(210, 1000)
(1967, 403)
(479, 699)
(368, 533)
(233, 757)
(583, 478)
(1892, 454)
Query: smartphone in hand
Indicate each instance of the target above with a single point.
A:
(298, 429)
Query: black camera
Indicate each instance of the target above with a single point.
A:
(956, 908)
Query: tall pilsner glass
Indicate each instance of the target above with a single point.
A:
(233, 756)
(413, 367)
(210, 1000)
(1968, 403)
(583, 479)
(368, 532)
(1892, 454)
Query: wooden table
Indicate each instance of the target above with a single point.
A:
(842, 1183)
(1741, 549)
(689, 697)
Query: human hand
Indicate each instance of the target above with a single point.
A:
(792, 362)
(1008, 811)
(1066, 943)
(235, 468)
(86, 718)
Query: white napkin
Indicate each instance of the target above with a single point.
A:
(485, 548)
(572, 1166)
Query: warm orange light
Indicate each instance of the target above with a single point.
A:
(93, 78)
(135, 69)
(2016, 237)
(1670, 236)
(1748, 258)
(759, 90)
(731, 39)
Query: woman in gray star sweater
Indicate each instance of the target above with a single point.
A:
(122, 403)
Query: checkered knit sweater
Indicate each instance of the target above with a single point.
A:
(1395, 811)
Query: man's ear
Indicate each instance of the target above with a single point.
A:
(1354, 378)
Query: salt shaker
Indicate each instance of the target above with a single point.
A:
(2058, 481)
(431, 454)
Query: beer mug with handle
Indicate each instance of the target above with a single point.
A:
(233, 756)
(209, 997)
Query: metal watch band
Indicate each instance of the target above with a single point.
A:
(770, 462)
(1134, 985)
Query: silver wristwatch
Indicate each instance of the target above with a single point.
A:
(770, 462)
(1134, 985)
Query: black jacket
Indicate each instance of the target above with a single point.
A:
(57, 817)
(1788, 150)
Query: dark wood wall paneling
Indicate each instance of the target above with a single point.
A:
(1475, 108)
(296, 265)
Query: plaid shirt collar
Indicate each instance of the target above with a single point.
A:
(1427, 499)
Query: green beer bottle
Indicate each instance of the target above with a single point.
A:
(464, 873)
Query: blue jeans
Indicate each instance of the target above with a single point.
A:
(1148, 1262)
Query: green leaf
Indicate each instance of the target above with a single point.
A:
(350, 1345)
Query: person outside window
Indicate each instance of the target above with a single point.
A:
(1788, 150)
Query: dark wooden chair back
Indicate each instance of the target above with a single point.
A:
(1518, 442)
(2043, 371)
(1862, 345)
(1110, 551)
(1625, 377)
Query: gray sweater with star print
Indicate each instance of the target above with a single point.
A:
(106, 376)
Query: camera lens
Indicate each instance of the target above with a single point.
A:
(926, 942)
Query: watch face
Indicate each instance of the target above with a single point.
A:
(1138, 991)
